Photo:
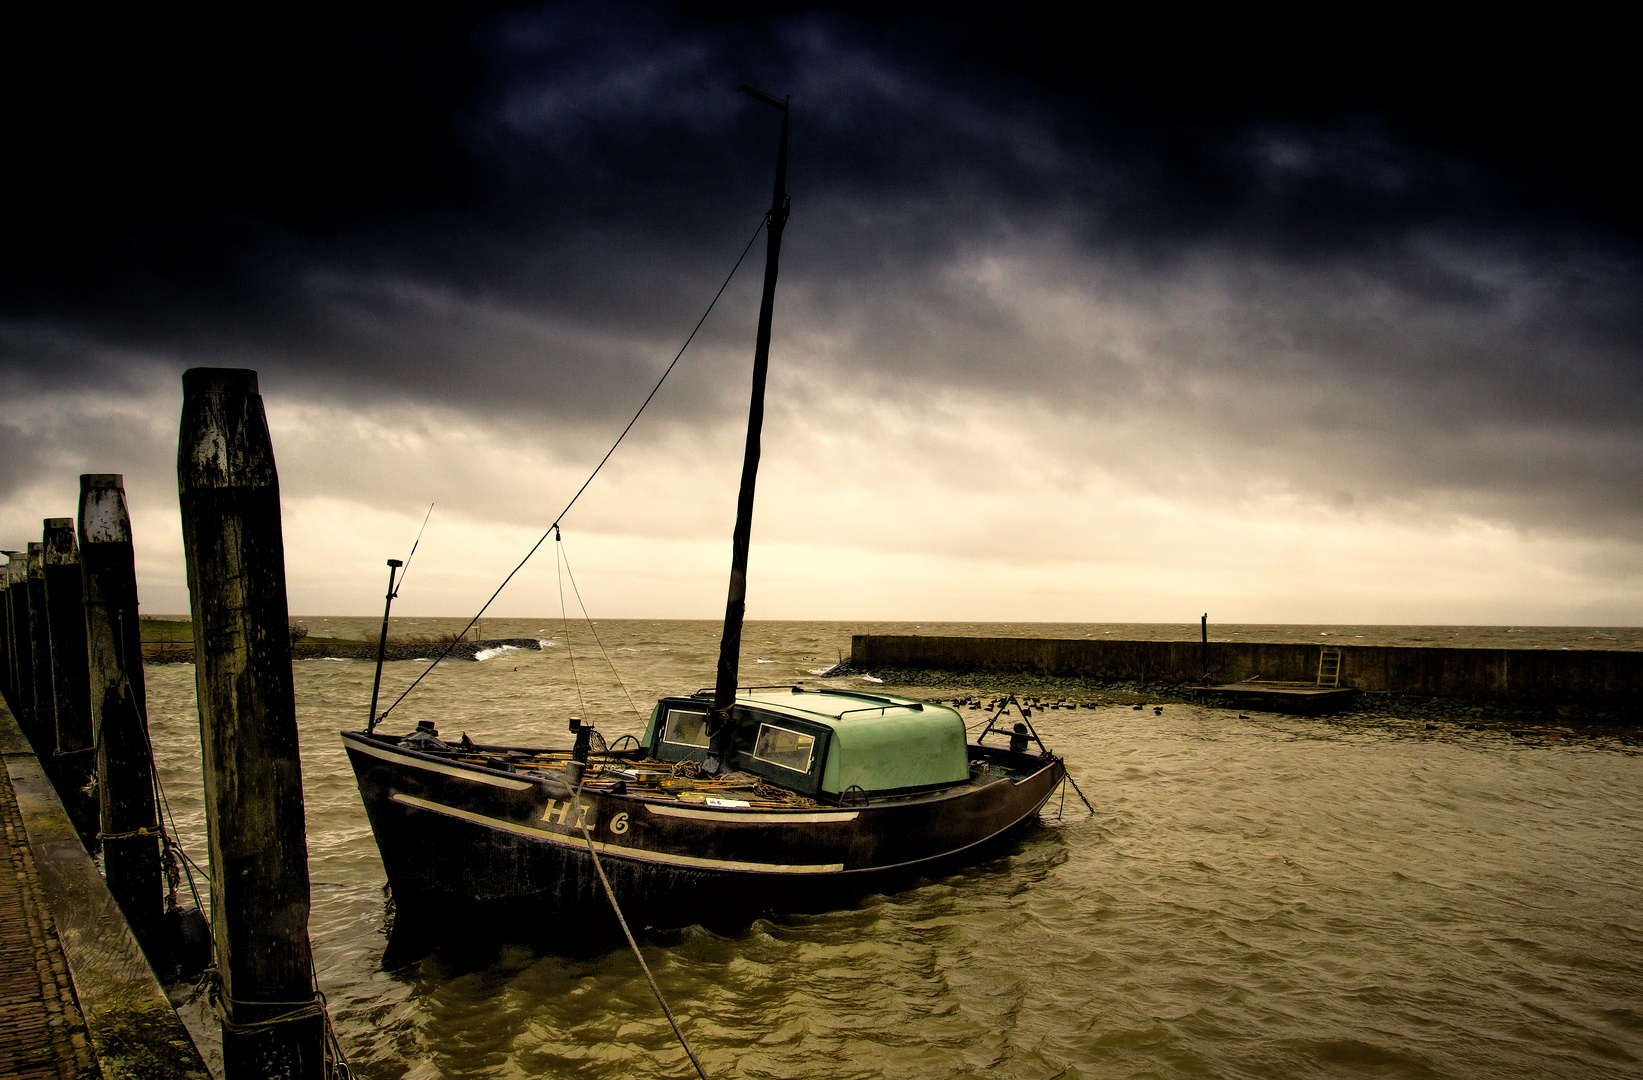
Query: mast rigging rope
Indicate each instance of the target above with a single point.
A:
(763, 221)
(587, 618)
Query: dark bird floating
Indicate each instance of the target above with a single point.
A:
(737, 799)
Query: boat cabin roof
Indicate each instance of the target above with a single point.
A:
(822, 742)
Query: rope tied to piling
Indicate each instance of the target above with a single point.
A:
(211, 985)
(143, 830)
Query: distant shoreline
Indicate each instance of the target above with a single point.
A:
(418, 650)
(364, 629)
(178, 652)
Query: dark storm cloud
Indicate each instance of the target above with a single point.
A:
(1385, 271)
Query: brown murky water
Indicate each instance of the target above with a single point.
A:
(1262, 897)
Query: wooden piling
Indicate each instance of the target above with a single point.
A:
(42, 726)
(17, 615)
(74, 764)
(234, 549)
(8, 663)
(119, 711)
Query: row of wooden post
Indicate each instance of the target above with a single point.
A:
(72, 672)
(73, 676)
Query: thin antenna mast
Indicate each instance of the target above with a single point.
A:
(388, 605)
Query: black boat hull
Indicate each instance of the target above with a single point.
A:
(457, 838)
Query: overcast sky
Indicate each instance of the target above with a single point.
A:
(1120, 322)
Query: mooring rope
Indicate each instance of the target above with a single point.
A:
(1004, 707)
(763, 221)
(169, 848)
(610, 894)
(128, 834)
(334, 1062)
(210, 983)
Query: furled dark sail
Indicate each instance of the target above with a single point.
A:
(730, 646)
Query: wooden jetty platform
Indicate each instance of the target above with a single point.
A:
(42, 1033)
(77, 997)
(1305, 698)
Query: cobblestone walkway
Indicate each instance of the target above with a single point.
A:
(42, 1036)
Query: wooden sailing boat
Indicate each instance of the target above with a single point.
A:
(736, 798)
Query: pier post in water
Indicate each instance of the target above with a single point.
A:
(17, 617)
(119, 708)
(8, 662)
(235, 553)
(42, 725)
(75, 764)
(1203, 652)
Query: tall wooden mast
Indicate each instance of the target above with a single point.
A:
(730, 646)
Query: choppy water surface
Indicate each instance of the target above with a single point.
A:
(1270, 897)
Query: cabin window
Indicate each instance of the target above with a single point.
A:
(789, 749)
(686, 727)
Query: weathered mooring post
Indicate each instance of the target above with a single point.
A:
(17, 615)
(1203, 651)
(235, 551)
(74, 764)
(42, 725)
(119, 708)
(8, 663)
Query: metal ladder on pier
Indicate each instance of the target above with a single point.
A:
(1329, 668)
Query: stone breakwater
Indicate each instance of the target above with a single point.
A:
(1604, 681)
(412, 650)
(1049, 693)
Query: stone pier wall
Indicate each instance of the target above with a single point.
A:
(1588, 676)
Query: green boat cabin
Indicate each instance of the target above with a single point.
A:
(826, 744)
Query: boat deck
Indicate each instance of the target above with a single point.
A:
(648, 778)
(642, 777)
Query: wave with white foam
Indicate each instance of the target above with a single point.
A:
(486, 654)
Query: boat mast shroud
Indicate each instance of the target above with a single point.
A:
(724, 693)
